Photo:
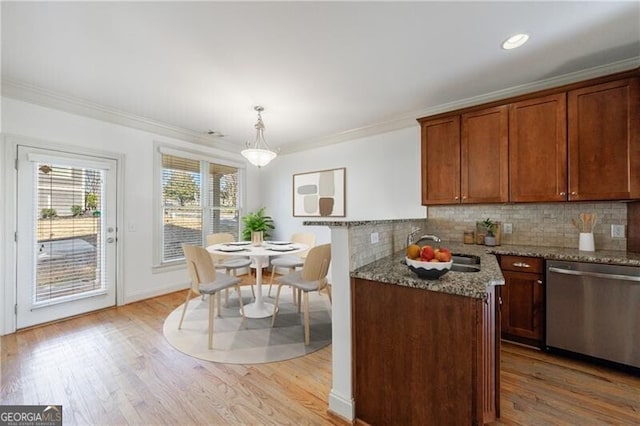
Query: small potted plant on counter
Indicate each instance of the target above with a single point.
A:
(490, 238)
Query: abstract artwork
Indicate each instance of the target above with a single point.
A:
(319, 194)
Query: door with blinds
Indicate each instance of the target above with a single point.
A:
(66, 238)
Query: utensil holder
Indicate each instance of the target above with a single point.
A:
(586, 242)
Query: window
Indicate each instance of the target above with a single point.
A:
(68, 230)
(199, 196)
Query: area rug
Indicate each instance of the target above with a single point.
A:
(258, 342)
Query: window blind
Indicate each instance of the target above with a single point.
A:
(223, 199)
(68, 232)
(199, 197)
(182, 212)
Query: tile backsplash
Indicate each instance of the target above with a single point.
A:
(392, 237)
(547, 225)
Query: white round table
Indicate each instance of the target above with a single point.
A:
(259, 256)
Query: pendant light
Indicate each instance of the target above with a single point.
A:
(260, 155)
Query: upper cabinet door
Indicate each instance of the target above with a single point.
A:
(484, 156)
(441, 160)
(538, 149)
(604, 141)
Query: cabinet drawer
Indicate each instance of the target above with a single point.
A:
(522, 264)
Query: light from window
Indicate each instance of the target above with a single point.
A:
(198, 198)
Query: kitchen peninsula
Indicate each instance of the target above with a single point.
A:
(419, 352)
(426, 352)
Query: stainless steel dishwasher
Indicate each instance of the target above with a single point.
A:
(594, 309)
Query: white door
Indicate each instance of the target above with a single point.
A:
(66, 238)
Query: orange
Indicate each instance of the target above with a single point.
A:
(413, 251)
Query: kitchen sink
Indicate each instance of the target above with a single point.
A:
(465, 263)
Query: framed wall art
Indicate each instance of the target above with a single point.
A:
(319, 194)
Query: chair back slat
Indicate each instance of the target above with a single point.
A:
(316, 265)
(199, 264)
(219, 238)
(306, 238)
(222, 237)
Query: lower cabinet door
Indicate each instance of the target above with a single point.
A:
(522, 307)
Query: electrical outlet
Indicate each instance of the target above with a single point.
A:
(617, 231)
(507, 228)
(374, 237)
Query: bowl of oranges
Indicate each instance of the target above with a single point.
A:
(427, 262)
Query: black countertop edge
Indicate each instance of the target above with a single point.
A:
(352, 223)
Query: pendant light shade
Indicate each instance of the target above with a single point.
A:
(259, 154)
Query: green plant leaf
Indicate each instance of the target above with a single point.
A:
(257, 221)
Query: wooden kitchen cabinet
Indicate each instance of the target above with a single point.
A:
(538, 149)
(522, 296)
(485, 156)
(578, 142)
(465, 158)
(604, 141)
(423, 357)
(440, 149)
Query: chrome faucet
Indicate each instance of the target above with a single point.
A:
(433, 238)
(412, 234)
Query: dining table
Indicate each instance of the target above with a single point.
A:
(259, 255)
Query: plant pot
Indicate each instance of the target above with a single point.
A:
(489, 240)
(256, 238)
(481, 229)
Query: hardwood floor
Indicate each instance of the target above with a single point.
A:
(544, 389)
(115, 367)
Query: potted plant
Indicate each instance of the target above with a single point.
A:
(257, 226)
(489, 239)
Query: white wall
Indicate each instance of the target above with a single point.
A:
(382, 180)
(139, 280)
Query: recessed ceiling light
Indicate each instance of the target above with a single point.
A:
(515, 41)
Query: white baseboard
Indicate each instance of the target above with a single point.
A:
(341, 406)
(148, 294)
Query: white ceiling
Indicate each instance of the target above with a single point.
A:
(318, 68)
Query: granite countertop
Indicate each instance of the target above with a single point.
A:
(470, 284)
(474, 284)
(612, 257)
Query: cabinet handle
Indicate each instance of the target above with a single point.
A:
(539, 281)
(464, 197)
(456, 197)
(563, 193)
(500, 300)
(521, 265)
(574, 193)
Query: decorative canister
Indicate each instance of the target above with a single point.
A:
(469, 237)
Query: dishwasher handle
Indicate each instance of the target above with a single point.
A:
(594, 274)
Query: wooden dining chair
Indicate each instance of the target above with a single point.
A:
(206, 281)
(294, 261)
(312, 277)
(229, 264)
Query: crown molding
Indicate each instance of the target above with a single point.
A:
(37, 95)
(409, 119)
(47, 98)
